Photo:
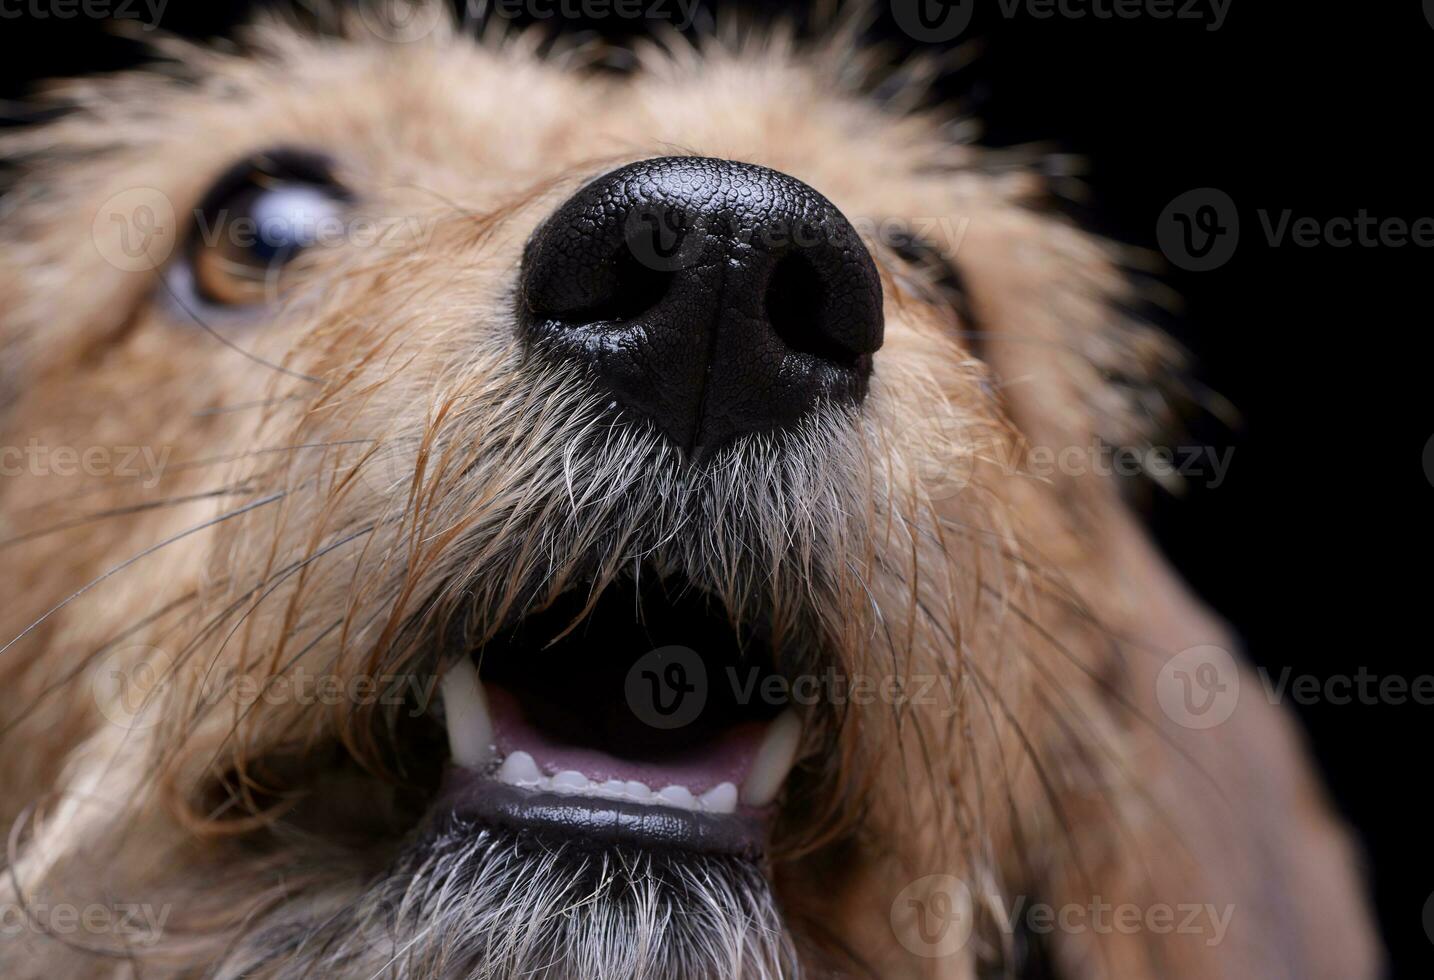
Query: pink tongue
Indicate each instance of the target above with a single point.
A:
(724, 760)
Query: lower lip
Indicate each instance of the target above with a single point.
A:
(578, 821)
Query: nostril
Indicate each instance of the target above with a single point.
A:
(629, 288)
(796, 305)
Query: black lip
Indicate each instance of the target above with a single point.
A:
(596, 823)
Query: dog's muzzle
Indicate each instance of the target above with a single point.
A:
(718, 300)
(715, 298)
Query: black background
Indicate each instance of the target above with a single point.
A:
(1315, 546)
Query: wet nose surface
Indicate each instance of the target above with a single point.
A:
(716, 298)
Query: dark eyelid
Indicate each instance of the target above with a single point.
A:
(275, 165)
(948, 282)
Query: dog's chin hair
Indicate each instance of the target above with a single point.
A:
(470, 902)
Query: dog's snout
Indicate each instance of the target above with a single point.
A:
(717, 298)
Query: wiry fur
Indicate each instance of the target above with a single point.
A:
(476, 904)
(380, 468)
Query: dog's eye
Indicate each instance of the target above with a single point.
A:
(936, 273)
(257, 218)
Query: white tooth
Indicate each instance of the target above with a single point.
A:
(721, 798)
(678, 796)
(519, 769)
(470, 728)
(614, 789)
(638, 792)
(570, 781)
(775, 758)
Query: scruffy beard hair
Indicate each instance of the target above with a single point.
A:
(468, 902)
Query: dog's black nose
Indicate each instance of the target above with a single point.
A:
(718, 298)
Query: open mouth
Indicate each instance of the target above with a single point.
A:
(648, 721)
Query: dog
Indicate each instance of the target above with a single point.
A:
(476, 509)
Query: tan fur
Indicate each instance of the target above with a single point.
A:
(1049, 771)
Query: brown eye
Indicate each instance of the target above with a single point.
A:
(255, 221)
